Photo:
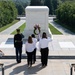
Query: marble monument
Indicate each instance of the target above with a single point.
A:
(36, 15)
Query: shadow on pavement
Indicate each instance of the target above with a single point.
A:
(32, 70)
(11, 41)
(9, 66)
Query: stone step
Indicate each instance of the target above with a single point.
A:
(39, 57)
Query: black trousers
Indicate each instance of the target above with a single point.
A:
(34, 55)
(18, 54)
(29, 58)
(44, 56)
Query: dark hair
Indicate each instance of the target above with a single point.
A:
(18, 30)
(44, 35)
(33, 35)
(30, 39)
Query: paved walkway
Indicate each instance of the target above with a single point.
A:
(12, 28)
(55, 67)
(61, 56)
(60, 45)
(63, 30)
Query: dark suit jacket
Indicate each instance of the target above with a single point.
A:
(18, 41)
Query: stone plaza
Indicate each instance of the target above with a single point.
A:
(61, 56)
(61, 52)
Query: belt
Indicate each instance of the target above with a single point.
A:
(17, 41)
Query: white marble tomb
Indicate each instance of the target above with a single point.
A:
(36, 15)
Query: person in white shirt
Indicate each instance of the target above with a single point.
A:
(34, 53)
(43, 44)
(29, 50)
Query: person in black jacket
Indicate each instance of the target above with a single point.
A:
(18, 45)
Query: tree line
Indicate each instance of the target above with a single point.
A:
(64, 10)
(8, 12)
(66, 14)
(21, 5)
(52, 4)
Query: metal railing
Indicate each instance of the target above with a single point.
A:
(72, 69)
(1, 66)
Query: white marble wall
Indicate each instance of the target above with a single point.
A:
(36, 15)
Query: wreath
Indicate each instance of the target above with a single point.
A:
(36, 28)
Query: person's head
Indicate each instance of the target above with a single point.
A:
(44, 35)
(18, 31)
(30, 39)
(33, 36)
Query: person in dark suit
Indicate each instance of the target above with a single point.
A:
(18, 45)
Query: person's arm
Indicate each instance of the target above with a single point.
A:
(36, 40)
(39, 45)
(39, 37)
(49, 39)
(22, 35)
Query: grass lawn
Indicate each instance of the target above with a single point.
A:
(54, 30)
(22, 27)
(65, 26)
(5, 27)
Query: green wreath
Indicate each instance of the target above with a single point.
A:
(35, 28)
(35, 31)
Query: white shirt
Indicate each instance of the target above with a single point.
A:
(34, 41)
(43, 43)
(29, 47)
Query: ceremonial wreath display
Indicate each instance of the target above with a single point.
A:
(36, 29)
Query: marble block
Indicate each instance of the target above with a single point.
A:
(66, 45)
(36, 15)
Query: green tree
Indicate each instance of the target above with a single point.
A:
(55, 4)
(20, 9)
(66, 14)
(21, 5)
(8, 12)
(35, 2)
(49, 4)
